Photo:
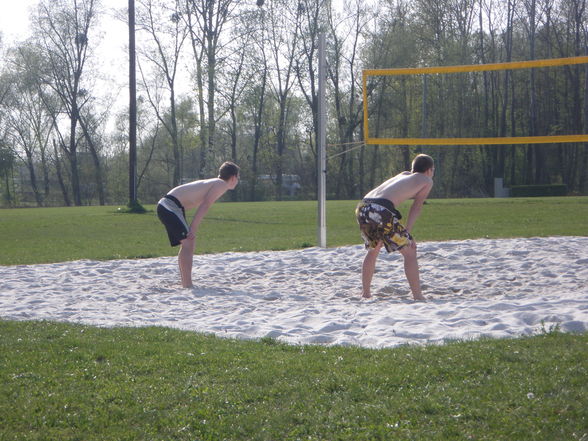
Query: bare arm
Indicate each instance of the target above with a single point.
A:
(215, 192)
(417, 205)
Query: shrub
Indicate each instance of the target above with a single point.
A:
(522, 191)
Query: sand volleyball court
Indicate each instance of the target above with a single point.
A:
(496, 288)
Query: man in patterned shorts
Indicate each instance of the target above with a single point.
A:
(379, 221)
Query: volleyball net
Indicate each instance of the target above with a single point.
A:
(468, 105)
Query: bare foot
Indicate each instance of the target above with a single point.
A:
(366, 295)
(419, 298)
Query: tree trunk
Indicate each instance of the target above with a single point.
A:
(73, 157)
(59, 172)
(98, 175)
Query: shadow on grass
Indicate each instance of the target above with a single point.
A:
(244, 221)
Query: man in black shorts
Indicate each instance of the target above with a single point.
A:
(202, 194)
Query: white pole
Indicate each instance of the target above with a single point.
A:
(322, 156)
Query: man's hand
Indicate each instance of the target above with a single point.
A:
(191, 235)
(413, 243)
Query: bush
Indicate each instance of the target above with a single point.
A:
(522, 191)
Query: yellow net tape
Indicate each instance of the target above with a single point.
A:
(470, 68)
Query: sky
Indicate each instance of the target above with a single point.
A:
(15, 26)
(14, 17)
(111, 62)
(111, 53)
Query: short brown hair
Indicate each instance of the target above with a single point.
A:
(421, 163)
(228, 169)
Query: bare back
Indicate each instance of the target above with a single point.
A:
(402, 187)
(192, 194)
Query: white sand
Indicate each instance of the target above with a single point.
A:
(495, 288)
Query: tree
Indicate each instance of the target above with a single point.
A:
(206, 21)
(254, 74)
(255, 96)
(91, 124)
(571, 35)
(167, 33)
(63, 30)
(283, 40)
(6, 166)
(347, 33)
(29, 123)
(6, 154)
(311, 24)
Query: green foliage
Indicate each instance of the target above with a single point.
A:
(268, 124)
(7, 160)
(43, 235)
(525, 191)
(71, 382)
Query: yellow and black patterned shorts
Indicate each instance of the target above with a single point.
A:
(378, 221)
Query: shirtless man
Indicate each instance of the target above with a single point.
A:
(202, 194)
(379, 221)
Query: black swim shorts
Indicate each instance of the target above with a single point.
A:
(172, 215)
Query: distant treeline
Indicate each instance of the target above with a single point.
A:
(252, 74)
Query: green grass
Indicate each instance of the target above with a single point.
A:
(45, 235)
(69, 382)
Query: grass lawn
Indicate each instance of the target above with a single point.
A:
(71, 382)
(44, 235)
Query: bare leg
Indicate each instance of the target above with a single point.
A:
(368, 269)
(185, 257)
(411, 269)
